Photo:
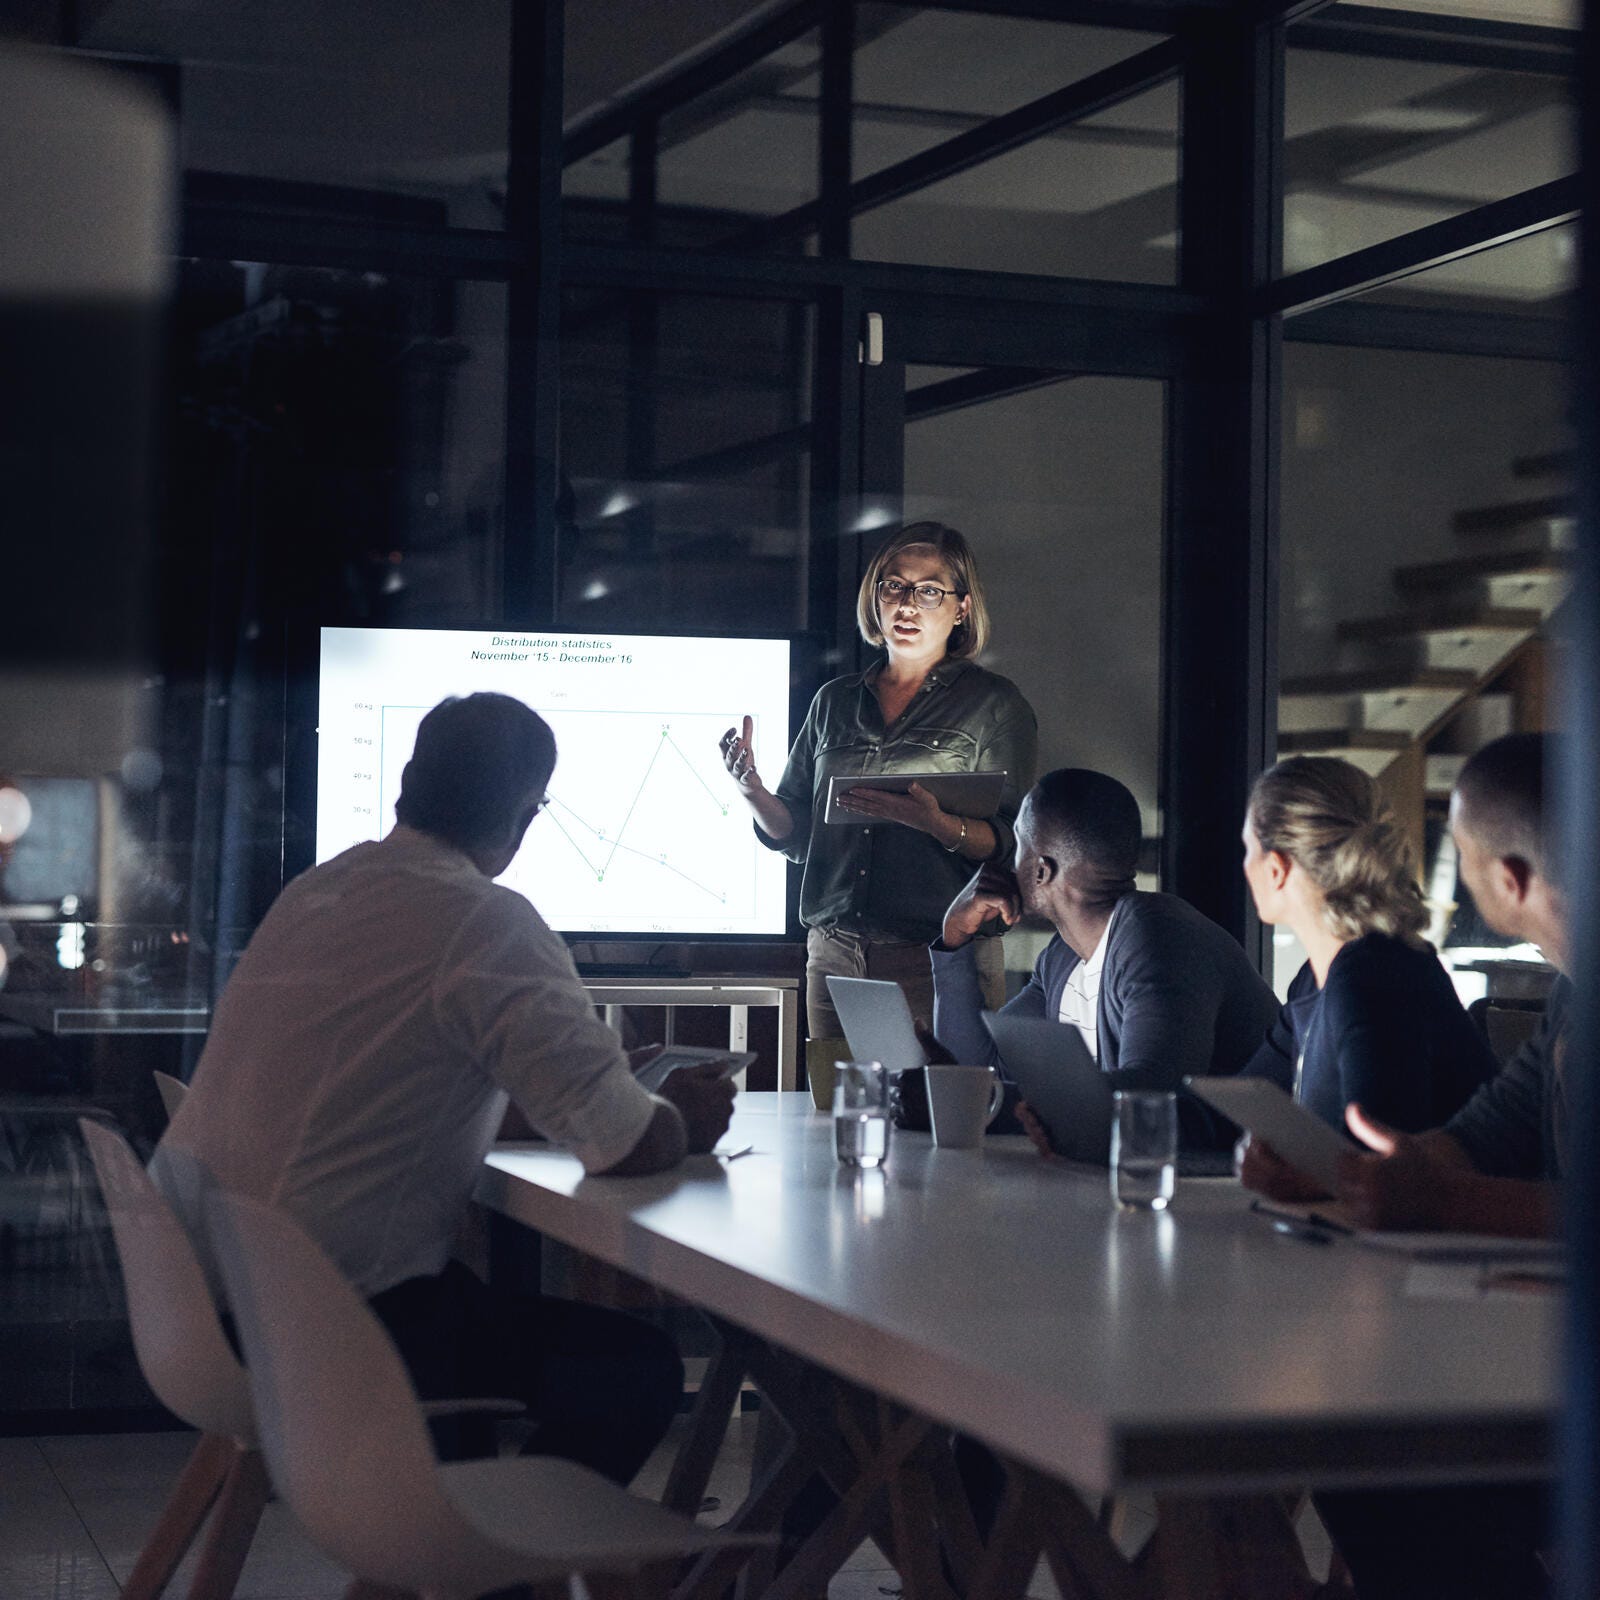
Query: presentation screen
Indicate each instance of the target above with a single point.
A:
(644, 832)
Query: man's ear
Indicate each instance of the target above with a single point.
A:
(1514, 876)
(1046, 869)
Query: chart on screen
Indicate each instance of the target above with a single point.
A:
(644, 831)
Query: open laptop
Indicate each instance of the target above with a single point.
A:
(876, 1022)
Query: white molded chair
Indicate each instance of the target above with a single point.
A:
(348, 1451)
(186, 1360)
(172, 1090)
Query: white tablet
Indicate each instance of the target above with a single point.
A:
(1303, 1140)
(962, 794)
(658, 1069)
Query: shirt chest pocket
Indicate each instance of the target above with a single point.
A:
(933, 750)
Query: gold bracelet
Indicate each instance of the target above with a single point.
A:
(961, 839)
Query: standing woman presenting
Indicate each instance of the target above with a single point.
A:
(873, 897)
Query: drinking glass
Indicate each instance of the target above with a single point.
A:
(1144, 1149)
(861, 1113)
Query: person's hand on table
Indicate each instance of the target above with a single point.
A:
(916, 808)
(1035, 1130)
(1261, 1168)
(992, 892)
(740, 758)
(1397, 1185)
(703, 1097)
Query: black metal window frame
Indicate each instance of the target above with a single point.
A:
(1221, 325)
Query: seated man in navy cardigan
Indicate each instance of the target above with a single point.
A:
(1157, 990)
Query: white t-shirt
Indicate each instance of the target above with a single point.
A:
(1080, 996)
(361, 1055)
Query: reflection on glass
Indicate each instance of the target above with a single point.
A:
(1059, 489)
(398, 112)
(1376, 148)
(1530, 275)
(748, 148)
(924, 75)
(685, 463)
(1096, 199)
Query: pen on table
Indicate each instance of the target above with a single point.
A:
(1301, 1230)
(1310, 1219)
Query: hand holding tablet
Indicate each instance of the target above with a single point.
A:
(1296, 1136)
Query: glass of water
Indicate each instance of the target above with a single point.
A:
(861, 1113)
(1144, 1149)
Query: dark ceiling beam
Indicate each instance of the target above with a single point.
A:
(670, 269)
(232, 233)
(1163, 16)
(976, 389)
(1548, 205)
(655, 98)
(1445, 41)
(1438, 330)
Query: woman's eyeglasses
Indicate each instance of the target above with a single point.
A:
(928, 596)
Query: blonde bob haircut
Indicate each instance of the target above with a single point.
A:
(969, 637)
(1333, 822)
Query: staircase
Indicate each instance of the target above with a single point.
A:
(1460, 659)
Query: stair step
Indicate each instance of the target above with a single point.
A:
(1425, 575)
(1501, 518)
(1443, 619)
(1293, 741)
(1378, 681)
(1547, 464)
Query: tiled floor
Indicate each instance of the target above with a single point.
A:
(74, 1512)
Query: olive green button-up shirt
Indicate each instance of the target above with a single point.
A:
(887, 881)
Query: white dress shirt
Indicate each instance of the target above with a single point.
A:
(361, 1056)
(1080, 996)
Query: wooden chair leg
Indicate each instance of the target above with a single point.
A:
(233, 1528)
(192, 1496)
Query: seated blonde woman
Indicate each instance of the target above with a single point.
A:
(1372, 1016)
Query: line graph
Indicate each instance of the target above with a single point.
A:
(611, 846)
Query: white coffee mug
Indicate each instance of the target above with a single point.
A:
(962, 1102)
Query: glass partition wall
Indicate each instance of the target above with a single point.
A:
(1231, 345)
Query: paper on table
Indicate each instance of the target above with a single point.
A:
(1463, 1246)
(1480, 1280)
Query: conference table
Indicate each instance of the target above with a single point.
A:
(1197, 1354)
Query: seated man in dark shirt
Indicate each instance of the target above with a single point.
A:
(1493, 1167)
(1157, 990)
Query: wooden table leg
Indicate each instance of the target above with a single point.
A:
(1243, 1547)
(192, 1497)
(233, 1528)
(708, 1426)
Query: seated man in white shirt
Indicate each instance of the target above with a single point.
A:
(359, 1067)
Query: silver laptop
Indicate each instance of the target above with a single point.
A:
(877, 1022)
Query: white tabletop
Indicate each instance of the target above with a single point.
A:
(1196, 1350)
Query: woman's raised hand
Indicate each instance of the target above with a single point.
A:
(739, 758)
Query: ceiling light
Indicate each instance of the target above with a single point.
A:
(1419, 119)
